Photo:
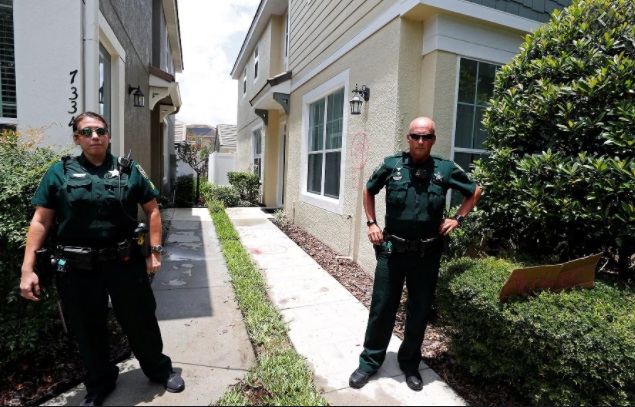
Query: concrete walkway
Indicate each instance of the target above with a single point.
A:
(202, 327)
(327, 323)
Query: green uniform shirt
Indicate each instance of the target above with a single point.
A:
(93, 205)
(415, 193)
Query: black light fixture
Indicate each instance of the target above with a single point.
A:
(359, 96)
(139, 97)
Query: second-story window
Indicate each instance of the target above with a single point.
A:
(244, 81)
(286, 39)
(8, 99)
(256, 64)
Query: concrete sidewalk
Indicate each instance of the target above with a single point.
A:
(202, 326)
(327, 323)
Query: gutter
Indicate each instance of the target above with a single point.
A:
(91, 55)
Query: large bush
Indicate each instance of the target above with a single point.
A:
(30, 332)
(247, 184)
(561, 127)
(573, 348)
(185, 191)
(226, 194)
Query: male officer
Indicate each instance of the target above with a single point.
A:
(410, 247)
(93, 198)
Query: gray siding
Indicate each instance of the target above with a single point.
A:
(538, 10)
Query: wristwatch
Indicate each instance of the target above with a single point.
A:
(371, 222)
(459, 219)
(156, 249)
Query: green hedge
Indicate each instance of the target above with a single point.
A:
(226, 194)
(30, 332)
(573, 348)
(185, 191)
(561, 126)
(247, 184)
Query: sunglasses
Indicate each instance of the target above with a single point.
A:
(88, 132)
(426, 137)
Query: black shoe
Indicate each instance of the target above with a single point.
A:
(359, 378)
(97, 398)
(413, 380)
(174, 383)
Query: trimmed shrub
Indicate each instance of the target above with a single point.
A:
(30, 332)
(247, 184)
(185, 191)
(572, 348)
(561, 127)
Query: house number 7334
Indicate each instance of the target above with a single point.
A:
(73, 98)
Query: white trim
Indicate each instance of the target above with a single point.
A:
(451, 34)
(254, 129)
(401, 7)
(455, 149)
(8, 120)
(118, 89)
(281, 141)
(332, 205)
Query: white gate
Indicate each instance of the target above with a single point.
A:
(219, 165)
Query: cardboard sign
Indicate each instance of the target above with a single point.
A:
(576, 273)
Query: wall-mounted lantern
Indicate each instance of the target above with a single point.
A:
(358, 99)
(139, 97)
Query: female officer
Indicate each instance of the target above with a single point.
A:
(93, 199)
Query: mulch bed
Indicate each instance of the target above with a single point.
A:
(35, 383)
(476, 391)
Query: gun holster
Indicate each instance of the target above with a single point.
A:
(45, 265)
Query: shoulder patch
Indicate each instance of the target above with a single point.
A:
(143, 173)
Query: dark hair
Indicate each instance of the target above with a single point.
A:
(84, 115)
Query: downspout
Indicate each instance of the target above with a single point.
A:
(91, 55)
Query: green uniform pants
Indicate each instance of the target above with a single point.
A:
(85, 298)
(420, 275)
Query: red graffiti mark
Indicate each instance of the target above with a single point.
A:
(359, 155)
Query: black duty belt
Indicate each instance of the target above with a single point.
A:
(431, 245)
(85, 257)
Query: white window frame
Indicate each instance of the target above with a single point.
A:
(254, 130)
(118, 88)
(256, 63)
(456, 110)
(329, 204)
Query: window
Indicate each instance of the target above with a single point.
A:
(476, 87)
(257, 144)
(8, 100)
(256, 64)
(245, 82)
(286, 39)
(105, 83)
(325, 145)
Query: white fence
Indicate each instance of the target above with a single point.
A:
(219, 165)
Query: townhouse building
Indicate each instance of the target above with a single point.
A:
(117, 58)
(301, 62)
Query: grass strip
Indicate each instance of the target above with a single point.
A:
(281, 376)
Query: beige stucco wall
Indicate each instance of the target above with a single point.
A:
(438, 101)
(380, 121)
(271, 63)
(270, 160)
